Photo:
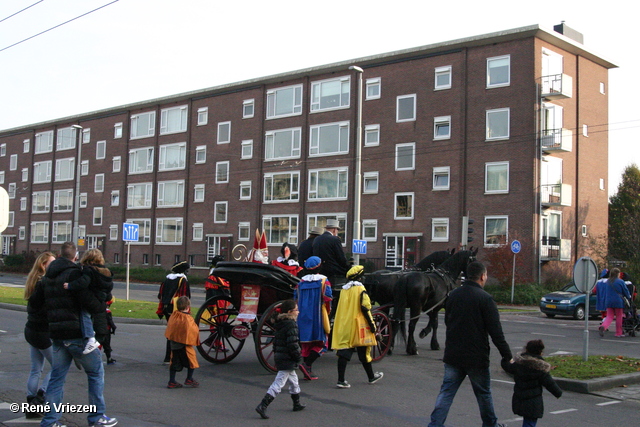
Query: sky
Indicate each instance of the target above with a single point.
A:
(129, 51)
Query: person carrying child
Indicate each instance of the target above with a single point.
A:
(531, 373)
(288, 357)
(183, 335)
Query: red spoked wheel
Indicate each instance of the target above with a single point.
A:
(221, 335)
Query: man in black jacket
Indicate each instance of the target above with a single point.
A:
(63, 314)
(328, 247)
(471, 317)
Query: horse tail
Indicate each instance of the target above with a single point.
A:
(399, 307)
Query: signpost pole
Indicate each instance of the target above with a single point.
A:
(513, 278)
(585, 274)
(128, 258)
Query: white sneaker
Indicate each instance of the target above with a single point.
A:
(92, 344)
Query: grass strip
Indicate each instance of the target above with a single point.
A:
(573, 367)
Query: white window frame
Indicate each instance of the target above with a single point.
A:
(395, 205)
(317, 146)
(372, 135)
(224, 133)
(370, 224)
(113, 232)
(143, 125)
(13, 162)
(401, 98)
(55, 226)
(246, 149)
(440, 171)
(320, 220)
(197, 232)
(373, 88)
(220, 212)
(23, 204)
(340, 185)
(487, 167)
(98, 183)
(398, 149)
(319, 87)
(145, 197)
(144, 228)
(222, 172)
(148, 153)
(248, 108)
(39, 232)
(86, 135)
(37, 174)
(117, 164)
(178, 199)
(11, 190)
(83, 200)
(446, 70)
(198, 193)
(245, 190)
(370, 177)
(293, 144)
(293, 186)
(182, 160)
(3, 150)
(65, 169)
(244, 228)
(169, 115)
(489, 132)
(440, 123)
(277, 239)
(25, 174)
(101, 150)
(496, 217)
(161, 238)
(22, 232)
(66, 139)
(44, 142)
(436, 224)
(98, 215)
(115, 197)
(490, 61)
(26, 145)
(36, 198)
(57, 195)
(296, 104)
(201, 154)
(117, 130)
(203, 116)
(2, 177)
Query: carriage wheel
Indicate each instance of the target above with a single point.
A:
(384, 336)
(221, 337)
(265, 335)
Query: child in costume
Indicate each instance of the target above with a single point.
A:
(183, 335)
(286, 347)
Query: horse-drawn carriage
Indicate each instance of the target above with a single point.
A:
(257, 289)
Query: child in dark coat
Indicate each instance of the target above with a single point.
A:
(288, 356)
(530, 373)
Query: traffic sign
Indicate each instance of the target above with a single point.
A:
(585, 274)
(130, 232)
(359, 247)
(516, 246)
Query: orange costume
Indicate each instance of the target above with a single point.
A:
(181, 328)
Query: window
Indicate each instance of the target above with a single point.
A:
(498, 124)
(201, 154)
(329, 139)
(285, 101)
(373, 88)
(243, 231)
(139, 195)
(11, 220)
(403, 206)
(170, 194)
(496, 178)
(495, 230)
(169, 230)
(44, 142)
(328, 184)
(222, 172)
(141, 160)
(115, 197)
(12, 190)
(220, 212)
(172, 156)
(158, 259)
(583, 231)
(65, 169)
(61, 231)
(22, 232)
(245, 190)
(3, 150)
(442, 127)
(585, 131)
(280, 229)
(198, 193)
(330, 94)
(101, 149)
(406, 108)
(26, 144)
(405, 156)
(83, 200)
(370, 230)
(1, 177)
(145, 259)
(281, 187)
(117, 164)
(13, 162)
(248, 108)
(117, 130)
(23, 204)
(442, 78)
(40, 201)
(198, 231)
(66, 139)
(113, 232)
(203, 116)
(371, 135)
(602, 186)
(144, 229)
(440, 230)
(173, 120)
(143, 125)
(246, 149)
(84, 168)
(370, 182)
(25, 174)
(39, 232)
(498, 71)
(98, 186)
(602, 91)
(320, 220)
(441, 178)
(86, 135)
(282, 144)
(62, 200)
(224, 132)
(97, 216)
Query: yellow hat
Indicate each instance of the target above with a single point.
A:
(355, 272)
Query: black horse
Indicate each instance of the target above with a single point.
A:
(427, 291)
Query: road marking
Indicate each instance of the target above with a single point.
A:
(503, 381)
(548, 335)
(619, 341)
(613, 402)
(562, 411)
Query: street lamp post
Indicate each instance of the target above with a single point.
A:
(358, 187)
(76, 205)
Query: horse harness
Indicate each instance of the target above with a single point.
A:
(450, 285)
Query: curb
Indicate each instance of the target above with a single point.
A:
(598, 384)
(17, 307)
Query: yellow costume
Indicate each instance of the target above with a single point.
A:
(351, 328)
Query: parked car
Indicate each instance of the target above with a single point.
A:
(568, 301)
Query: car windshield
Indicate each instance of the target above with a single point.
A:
(571, 287)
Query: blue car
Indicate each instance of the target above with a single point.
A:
(568, 302)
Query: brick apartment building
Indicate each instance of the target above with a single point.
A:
(509, 128)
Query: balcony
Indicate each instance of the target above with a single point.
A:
(556, 140)
(557, 86)
(555, 195)
(554, 249)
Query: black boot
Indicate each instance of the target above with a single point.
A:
(31, 414)
(262, 407)
(297, 406)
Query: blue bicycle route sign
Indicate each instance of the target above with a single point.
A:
(515, 246)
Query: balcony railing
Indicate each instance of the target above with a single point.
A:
(555, 195)
(556, 140)
(554, 249)
(557, 86)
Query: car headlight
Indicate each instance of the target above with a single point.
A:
(543, 299)
(565, 301)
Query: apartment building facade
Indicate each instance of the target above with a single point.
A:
(508, 128)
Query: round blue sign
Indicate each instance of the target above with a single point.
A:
(515, 246)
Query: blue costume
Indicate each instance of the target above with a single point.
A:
(309, 297)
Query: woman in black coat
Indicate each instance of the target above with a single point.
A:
(530, 373)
